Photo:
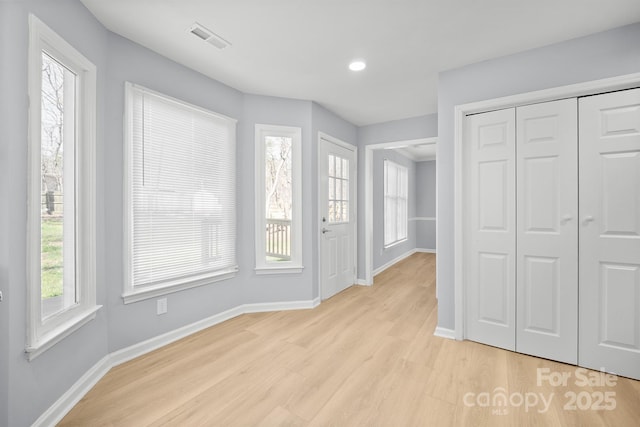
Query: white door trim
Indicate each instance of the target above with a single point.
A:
(353, 200)
(368, 200)
(460, 111)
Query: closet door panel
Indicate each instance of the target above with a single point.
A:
(547, 248)
(610, 232)
(490, 228)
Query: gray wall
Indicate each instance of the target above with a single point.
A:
(131, 62)
(397, 130)
(426, 204)
(381, 256)
(285, 112)
(33, 386)
(608, 54)
(132, 323)
(6, 113)
(27, 389)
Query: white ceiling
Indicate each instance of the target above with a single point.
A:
(419, 152)
(301, 48)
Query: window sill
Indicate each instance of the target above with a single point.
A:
(391, 245)
(149, 292)
(279, 270)
(61, 332)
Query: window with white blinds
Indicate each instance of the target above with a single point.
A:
(395, 203)
(181, 229)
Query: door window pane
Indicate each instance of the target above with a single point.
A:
(338, 202)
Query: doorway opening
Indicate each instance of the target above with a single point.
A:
(416, 151)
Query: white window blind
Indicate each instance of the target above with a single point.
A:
(182, 192)
(395, 202)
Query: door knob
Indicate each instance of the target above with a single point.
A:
(588, 219)
(325, 230)
(566, 219)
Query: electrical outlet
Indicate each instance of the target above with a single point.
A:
(161, 306)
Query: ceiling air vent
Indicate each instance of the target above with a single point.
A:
(208, 36)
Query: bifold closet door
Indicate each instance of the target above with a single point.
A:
(490, 238)
(610, 232)
(547, 237)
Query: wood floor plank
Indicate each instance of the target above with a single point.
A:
(366, 357)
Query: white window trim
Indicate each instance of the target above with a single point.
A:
(384, 202)
(396, 243)
(293, 266)
(42, 335)
(131, 294)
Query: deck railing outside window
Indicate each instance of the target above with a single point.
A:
(278, 239)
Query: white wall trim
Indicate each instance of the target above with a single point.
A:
(423, 218)
(294, 264)
(280, 306)
(445, 333)
(83, 385)
(426, 250)
(43, 332)
(71, 397)
(136, 350)
(394, 261)
(460, 112)
(368, 199)
(363, 282)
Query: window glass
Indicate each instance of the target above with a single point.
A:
(338, 182)
(278, 197)
(57, 275)
(395, 203)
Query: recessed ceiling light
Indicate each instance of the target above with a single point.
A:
(357, 65)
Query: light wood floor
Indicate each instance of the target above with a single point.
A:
(366, 357)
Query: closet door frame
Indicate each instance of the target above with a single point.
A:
(460, 112)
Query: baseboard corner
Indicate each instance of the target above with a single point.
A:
(61, 407)
(444, 333)
(426, 250)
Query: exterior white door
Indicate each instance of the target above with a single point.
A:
(547, 239)
(336, 199)
(610, 232)
(490, 240)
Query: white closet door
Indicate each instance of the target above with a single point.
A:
(490, 230)
(547, 238)
(610, 232)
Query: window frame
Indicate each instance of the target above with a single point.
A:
(44, 333)
(133, 293)
(397, 198)
(294, 265)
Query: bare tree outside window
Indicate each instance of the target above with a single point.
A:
(52, 173)
(278, 200)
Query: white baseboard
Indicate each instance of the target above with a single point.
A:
(363, 282)
(71, 397)
(280, 306)
(427, 251)
(136, 350)
(393, 261)
(445, 333)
